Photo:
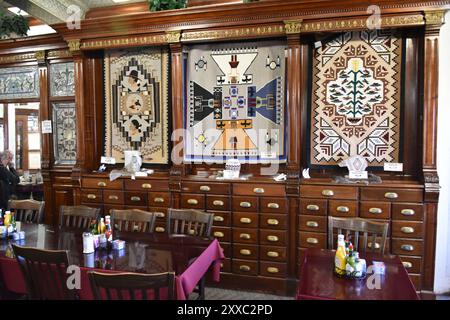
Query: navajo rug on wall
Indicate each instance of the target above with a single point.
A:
(136, 89)
(235, 104)
(356, 99)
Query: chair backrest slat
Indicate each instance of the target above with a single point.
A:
(133, 220)
(193, 222)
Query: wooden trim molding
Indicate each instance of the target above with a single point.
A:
(272, 30)
(435, 17)
(57, 54)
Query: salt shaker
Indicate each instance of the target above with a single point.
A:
(88, 243)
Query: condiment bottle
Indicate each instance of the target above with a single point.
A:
(340, 259)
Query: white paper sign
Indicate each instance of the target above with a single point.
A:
(357, 175)
(108, 160)
(46, 126)
(140, 174)
(391, 166)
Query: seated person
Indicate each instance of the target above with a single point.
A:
(8, 178)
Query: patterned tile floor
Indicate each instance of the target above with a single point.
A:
(226, 294)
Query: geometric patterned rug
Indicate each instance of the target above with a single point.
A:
(226, 294)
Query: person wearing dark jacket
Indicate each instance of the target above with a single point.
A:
(8, 178)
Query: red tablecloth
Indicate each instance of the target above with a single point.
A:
(13, 281)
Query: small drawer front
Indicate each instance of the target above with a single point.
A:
(391, 194)
(273, 269)
(312, 240)
(218, 203)
(222, 234)
(100, 183)
(375, 210)
(416, 280)
(255, 189)
(227, 251)
(412, 264)
(160, 213)
(92, 195)
(146, 185)
(136, 198)
(344, 209)
(160, 227)
(245, 220)
(159, 199)
(245, 251)
(108, 207)
(249, 204)
(225, 266)
(312, 224)
(221, 218)
(206, 187)
(407, 211)
(192, 201)
(407, 229)
(329, 192)
(273, 237)
(269, 253)
(407, 247)
(273, 221)
(313, 207)
(113, 197)
(242, 235)
(273, 205)
(247, 267)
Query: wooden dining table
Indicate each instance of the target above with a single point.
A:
(189, 257)
(318, 282)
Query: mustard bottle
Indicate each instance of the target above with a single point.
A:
(7, 219)
(340, 259)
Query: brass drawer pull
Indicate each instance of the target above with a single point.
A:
(221, 265)
(244, 268)
(407, 247)
(407, 230)
(272, 270)
(328, 193)
(160, 214)
(91, 196)
(273, 254)
(343, 209)
(407, 265)
(159, 200)
(245, 204)
(377, 245)
(113, 198)
(246, 220)
(135, 199)
(101, 184)
(391, 195)
(312, 240)
(273, 205)
(245, 236)
(312, 224)
(192, 201)
(258, 190)
(219, 234)
(245, 252)
(408, 212)
(160, 229)
(312, 207)
(272, 222)
(218, 219)
(272, 238)
(147, 186)
(205, 188)
(218, 203)
(375, 210)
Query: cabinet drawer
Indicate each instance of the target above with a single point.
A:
(192, 201)
(206, 187)
(246, 267)
(159, 199)
(312, 240)
(146, 185)
(313, 207)
(273, 237)
(101, 183)
(407, 247)
(329, 192)
(273, 205)
(227, 252)
(108, 207)
(245, 204)
(218, 203)
(416, 280)
(113, 197)
(245, 220)
(375, 210)
(221, 218)
(272, 253)
(245, 251)
(412, 264)
(391, 194)
(225, 266)
(241, 235)
(344, 209)
(256, 189)
(272, 269)
(407, 211)
(407, 229)
(160, 227)
(221, 233)
(273, 221)
(312, 224)
(134, 198)
(160, 213)
(92, 195)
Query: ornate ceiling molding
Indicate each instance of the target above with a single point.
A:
(293, 26)
(257, 31)
(436, 17)
(124, 42)
(17, 58)
(59, 54)
(173, 36)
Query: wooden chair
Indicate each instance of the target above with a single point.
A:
(189, 222)
(131, 286)
(45, 273)
(133, 220)
(77, 216)
(357, 225)
(27, 210)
